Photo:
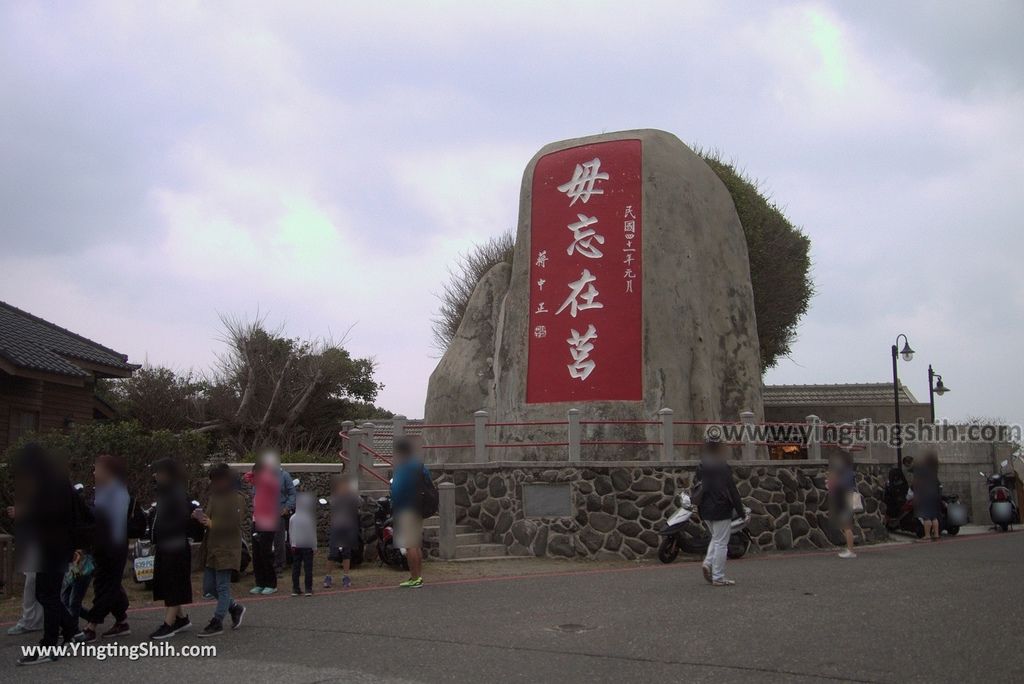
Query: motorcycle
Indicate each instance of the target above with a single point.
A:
(1001, 507)
(383, 520)
(141, 554)
(679, 535)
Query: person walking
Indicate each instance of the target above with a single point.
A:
(222, 547)
(928, 495)
(31, 619)
(842, 483)
(407, 483)
(266, 517)
(172, 561)
(302, 537)
(52, 521)
(111, 551)
(718, 502)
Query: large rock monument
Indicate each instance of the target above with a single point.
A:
(629, 292)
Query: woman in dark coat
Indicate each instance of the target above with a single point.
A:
(928, 495)
(172, 562)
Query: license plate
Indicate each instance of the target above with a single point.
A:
(144, 569)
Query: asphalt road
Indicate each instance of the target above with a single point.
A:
(946, 612)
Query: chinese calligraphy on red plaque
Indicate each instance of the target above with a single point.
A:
(586, 317)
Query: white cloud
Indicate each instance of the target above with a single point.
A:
(327, 162)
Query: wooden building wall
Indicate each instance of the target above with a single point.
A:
(53, 403)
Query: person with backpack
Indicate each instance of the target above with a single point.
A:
(111, 508)
(717, 502)
(51, 523)
(413, 497)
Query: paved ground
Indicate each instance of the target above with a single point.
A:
(941, 612)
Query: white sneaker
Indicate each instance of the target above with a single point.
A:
(847, 553)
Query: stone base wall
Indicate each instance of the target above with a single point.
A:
(618, 507)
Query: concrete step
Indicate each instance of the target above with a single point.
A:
(479, 559)
(469, 538)
(432, 532)
(480, 550)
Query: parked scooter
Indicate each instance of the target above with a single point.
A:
(141, 553)
(387, 552)
(693, 539)
(1001, 506)
(899, 509)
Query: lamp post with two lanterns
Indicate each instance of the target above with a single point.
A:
(907, 353)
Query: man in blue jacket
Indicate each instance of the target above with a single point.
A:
(287, 504)
(405, 488)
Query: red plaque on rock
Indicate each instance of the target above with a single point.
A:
(586, 277)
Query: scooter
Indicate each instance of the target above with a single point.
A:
(141, 554)
(952, 516)
(1001, 507)
(679, 535)
(899, 508)
(387, 552)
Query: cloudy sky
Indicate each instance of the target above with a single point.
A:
(325, 163)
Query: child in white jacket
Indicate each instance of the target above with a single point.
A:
(302, 536)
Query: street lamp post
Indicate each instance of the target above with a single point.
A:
(907, 353)
(935, 386)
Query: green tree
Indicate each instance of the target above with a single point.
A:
(270, 390)
(156, 397)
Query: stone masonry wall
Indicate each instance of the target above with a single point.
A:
(620, 506)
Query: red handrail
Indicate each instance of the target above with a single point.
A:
(374, 453)
(620, 422)
(447, 446)
(363, 467)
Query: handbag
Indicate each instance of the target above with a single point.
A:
(856, 501)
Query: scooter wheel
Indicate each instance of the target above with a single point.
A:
(738, 548)
(668, 550)
(952, 531)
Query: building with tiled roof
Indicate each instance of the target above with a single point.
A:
(48, 375)
(841, 402)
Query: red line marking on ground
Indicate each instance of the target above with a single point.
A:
(250, 598)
